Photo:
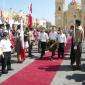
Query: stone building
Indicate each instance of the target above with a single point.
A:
(66, 18)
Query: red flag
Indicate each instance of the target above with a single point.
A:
(30, 16)
(22, 52)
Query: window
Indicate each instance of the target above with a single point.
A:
(59, 8)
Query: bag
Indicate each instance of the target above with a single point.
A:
(53, 47)
(26, 44)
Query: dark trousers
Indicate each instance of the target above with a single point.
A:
(39, 46)
(72, 48)
(6, 61)
(61, 50)
(76, 54)
(43, 48)
(53, 48)
(30, 49)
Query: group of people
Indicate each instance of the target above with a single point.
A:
(52, 40)
(10, 42)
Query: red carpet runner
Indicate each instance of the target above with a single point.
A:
(40, 72)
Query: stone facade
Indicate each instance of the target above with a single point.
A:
(66, 18)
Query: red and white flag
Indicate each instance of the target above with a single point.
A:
(22, 52)
(30, 16)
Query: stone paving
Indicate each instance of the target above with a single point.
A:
(65, 75)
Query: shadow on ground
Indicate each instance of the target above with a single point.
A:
(54, 68)
(62, 68)
(77, 78)
(83, 83)
(83, 68)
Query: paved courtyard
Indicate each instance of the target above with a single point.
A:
(64, 76)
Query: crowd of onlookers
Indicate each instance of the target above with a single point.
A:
(52, 39)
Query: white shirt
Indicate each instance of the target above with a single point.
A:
(53, 35)
(5, 45)
(43, 37)
(62, 38)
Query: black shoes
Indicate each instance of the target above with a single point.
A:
(41, 57)
(75, 67)
(4, 72)
(78, 67)
(9, 69)
(19, 61)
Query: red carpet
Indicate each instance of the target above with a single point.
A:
(40, 72)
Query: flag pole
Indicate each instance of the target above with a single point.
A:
(30, 16)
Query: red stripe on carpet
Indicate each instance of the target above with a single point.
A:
(40, 72)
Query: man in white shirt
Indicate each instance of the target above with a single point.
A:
(5, 45)
(61, 41)
(53, 35)
(43, 40)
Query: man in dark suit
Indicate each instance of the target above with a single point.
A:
(77, 45)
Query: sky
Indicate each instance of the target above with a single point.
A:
(42, 9)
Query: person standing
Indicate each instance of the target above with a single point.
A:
(39, 47)
(43, 40)
(18, 45)
(77, 45)
(53, 36)
(26, 39)
(5, 44)
(30, 41)
(62, 42)
(8, 28)
(2, 28)
(72, 35)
